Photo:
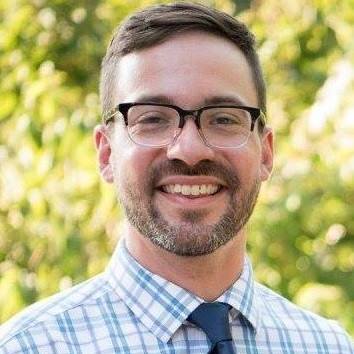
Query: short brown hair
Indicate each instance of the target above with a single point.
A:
(156, 24)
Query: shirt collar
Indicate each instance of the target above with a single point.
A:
(243, 297)
(163, 306)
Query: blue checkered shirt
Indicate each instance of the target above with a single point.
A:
(128, 309)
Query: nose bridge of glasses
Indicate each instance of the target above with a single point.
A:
(193, 114)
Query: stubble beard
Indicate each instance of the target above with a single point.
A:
(191, 237)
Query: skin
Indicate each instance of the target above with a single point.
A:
(214, 67)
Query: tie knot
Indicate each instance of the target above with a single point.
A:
(213, 319)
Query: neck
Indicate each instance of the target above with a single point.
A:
(205, 276)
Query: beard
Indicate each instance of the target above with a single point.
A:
(191, 237)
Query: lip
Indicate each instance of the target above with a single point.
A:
(185, 202)
(190, 180)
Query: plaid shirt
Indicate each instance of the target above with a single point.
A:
(128, 309)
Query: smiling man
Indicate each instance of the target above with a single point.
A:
(185, 143)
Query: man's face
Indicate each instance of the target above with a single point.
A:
(187, 198)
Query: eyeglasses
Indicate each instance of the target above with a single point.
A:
(158, 125)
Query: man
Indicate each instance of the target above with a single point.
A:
(185, 143)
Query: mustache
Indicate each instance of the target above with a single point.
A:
(202, 168)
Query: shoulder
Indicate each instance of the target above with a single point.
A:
(46, 314)
(285, 319)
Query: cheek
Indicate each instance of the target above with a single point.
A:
(132, 164)
(246, 164)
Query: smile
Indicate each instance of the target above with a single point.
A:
(191, 190)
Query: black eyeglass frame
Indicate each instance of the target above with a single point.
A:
(123, 108)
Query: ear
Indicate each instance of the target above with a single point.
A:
(103, 147)
(267, 141)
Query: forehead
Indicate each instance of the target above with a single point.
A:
(187, 69)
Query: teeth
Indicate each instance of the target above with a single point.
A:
(191, 190)
(195, 190)
(186, 190)
(168, 189)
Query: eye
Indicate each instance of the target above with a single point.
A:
(225, 119)
(152, 118)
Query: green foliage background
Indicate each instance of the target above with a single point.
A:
(59, 222)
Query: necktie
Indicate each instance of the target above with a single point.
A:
(213, 319)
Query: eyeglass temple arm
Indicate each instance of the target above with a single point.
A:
(262, 117)
(109, 115)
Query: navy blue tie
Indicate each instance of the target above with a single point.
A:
(213, 319)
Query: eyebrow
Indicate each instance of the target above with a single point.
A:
(155, 99)
(209, 101)
(225, 99)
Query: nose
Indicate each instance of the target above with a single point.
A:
(189, 146)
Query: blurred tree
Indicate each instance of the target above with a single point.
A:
(241, 5)
(59, 222)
